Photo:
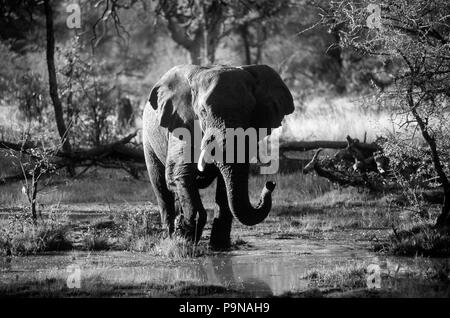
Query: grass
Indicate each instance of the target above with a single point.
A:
(97, 286)
(99, 186)
(132, 226)
(114, 186)
(177, 248)
(344, 280)
(341, 116)
(134, 229)
(95, 243)
(344, 277)
(335, 215)
(19, 235)
(350, 280)
(421, 240)
(316, 210)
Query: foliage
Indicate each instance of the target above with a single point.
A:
(414, 36)
(94, 242)
(177, 247)
(421, 240)
(21, 84)
(138, 231)
(22, 236)
(89, 95)
(8, 66)
(411, 168)
(35, 162)
(342, 277)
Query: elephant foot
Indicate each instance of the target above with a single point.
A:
(220, 235)
(191, 233)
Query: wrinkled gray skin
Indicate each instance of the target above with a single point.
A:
(219, 97)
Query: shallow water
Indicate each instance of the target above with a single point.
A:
(269, 267)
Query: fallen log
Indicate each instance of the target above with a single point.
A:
(336, 177)
(120, 155)
(362, 179)
(324, 144)
(116, 150)
(117, 155)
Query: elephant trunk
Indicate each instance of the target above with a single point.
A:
(235, 176)
(236, 182)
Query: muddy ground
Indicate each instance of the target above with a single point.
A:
(301, 254)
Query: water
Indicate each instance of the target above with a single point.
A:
(269, 267)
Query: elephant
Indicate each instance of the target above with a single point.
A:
(213, 98)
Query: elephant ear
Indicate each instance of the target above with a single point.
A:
(171, 97)
(273, 98)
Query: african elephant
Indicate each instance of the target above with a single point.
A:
(214, 98)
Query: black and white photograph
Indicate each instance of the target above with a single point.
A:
(246, 151)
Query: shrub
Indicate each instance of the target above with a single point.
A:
(422, 240)
(23, 236)
(138, 232)
(94, 242)
(177, 248)
(342, 277)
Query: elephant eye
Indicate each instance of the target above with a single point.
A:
(203, 115)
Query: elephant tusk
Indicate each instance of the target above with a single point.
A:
(201, 161)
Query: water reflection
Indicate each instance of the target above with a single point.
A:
(271, 269)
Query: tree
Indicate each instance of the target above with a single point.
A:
(414, 35)
(53, 84)
(198, 26)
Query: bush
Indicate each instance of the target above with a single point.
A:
(22, 236)
(138, 230)
(94, 242)
(177, 248)
(422, 240)
(342, 277)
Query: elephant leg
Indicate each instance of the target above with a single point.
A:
(221, 228)
(178, 209)
(193, 219)
(164, 197)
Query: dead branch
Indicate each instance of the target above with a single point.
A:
(338, 177)
(116, 155)
(325, 144)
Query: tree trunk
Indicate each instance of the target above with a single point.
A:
(243, 30)
(211, 54)
(33, 199)
(443, 220)
(195, 53)
(53, 84)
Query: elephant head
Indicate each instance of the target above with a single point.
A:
(223, 97)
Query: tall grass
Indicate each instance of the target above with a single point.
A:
(101, 186)
(323, 118)
(20, 235)
(419, 240)
(109, 186)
